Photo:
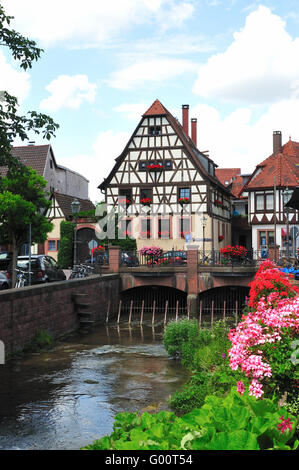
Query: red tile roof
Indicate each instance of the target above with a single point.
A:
(283, 165)
(155, 109)
(227, 174)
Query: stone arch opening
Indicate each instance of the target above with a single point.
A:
(85, 238)
(154, 297)
(225, 300)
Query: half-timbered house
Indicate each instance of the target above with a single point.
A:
(272, 223)
(61, 210)
(166, 185)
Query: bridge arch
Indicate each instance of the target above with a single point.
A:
(224, 300)
(154, 296)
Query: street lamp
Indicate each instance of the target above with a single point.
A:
(203, 223)
(286, 194)
(75, 207)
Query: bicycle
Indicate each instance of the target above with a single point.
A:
(80, 271)
(22, 278)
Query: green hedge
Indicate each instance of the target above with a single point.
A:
(66, 245)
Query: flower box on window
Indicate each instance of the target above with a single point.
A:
(145, 234)
(124, 200)
(184, 200)
(127, 233)
(164, 234)
(146, 201)
(218, 203)
(154, 166)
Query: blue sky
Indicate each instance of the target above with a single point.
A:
(235, 63)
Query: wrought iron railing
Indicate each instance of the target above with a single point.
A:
(137, 258)
(213, 258)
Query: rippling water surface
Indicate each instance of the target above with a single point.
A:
(67, 397)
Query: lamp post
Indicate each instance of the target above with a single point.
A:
(286, 194)
(75, 206)
(203, 223)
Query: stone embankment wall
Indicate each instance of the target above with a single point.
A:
(51, 307)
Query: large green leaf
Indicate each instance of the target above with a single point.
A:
(236, 440)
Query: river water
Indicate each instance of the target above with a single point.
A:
(67, 397)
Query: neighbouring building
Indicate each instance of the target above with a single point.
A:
(61, 210)
(273, 225)
(63, 185)
(165, 185)
(235, 181)
(42, 159)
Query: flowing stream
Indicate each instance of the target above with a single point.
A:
(67, 397)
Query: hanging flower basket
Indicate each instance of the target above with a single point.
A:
(154, 167)
(220, 238)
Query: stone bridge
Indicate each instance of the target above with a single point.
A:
(192, 278)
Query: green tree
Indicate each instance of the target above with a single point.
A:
(23, 201)
(12, 125)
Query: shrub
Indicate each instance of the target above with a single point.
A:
(192, 394)
(180, 338)
(42, 340)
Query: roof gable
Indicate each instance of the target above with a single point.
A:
(201, 162)
(156, 109)
(282, 166)
(64, 202)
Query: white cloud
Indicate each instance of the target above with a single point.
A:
(155, 71)
(238, 141)
(131, 110)
(97, 165)
(176, 15)
(69, 92)
(93, 22)
(259, 66)
(15, 82)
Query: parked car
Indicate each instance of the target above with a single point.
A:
(44, 268)
(5, 282)
(170, 258)
(129, 259)
(101, 259)
(5, 259)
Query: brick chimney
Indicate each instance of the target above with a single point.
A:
(194, 131)
(277, 142)
(185, 113)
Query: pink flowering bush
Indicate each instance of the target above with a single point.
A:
(261, 343)
(151, 251)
